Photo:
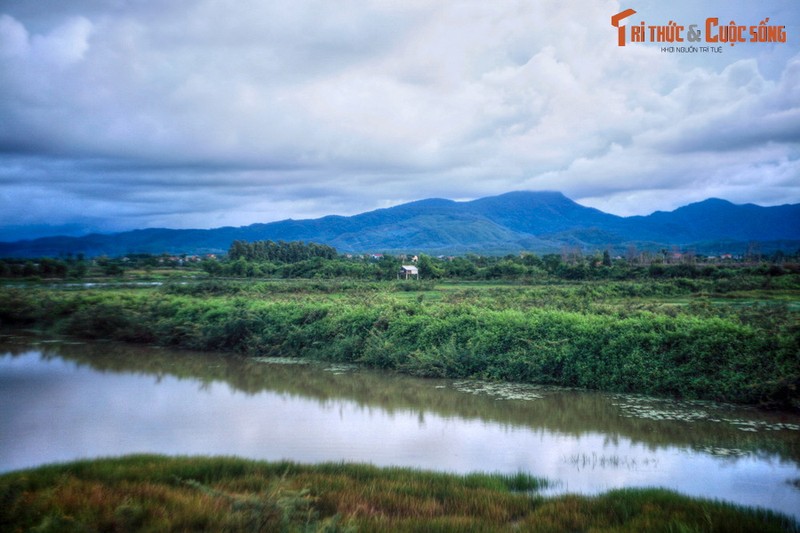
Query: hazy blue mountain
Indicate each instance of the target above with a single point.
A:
(35, 231)
(534, 221)
(724, 220)
(540, 213)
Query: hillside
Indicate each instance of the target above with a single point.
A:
(540, 222)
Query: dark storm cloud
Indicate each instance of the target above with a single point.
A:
(215, 112)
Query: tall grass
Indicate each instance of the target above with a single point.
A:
(151, 493)
(583, 335)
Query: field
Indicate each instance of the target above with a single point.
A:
(717, 333)
(727, 340)
(152, 493)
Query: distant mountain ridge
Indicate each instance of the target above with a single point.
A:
(542, 222)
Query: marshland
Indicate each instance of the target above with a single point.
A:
(603, 396)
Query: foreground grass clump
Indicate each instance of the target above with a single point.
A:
(152, 493)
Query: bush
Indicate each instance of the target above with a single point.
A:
(598, 336)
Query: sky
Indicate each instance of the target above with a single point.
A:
(123, 114)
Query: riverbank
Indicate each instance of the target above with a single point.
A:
(155, 493)
(677, 338)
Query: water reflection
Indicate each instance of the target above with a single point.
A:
(60, 401)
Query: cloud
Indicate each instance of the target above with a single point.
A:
(732, 134)
(210, 112)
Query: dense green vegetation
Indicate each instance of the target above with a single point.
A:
(151, 493)
(291, 260)
(682, 337)
(690, 327)
(666, 323)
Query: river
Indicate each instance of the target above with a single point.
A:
(62, 400)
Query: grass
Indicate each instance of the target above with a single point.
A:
(659, 337)
(155, 493)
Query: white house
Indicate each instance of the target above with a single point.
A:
(408, 270)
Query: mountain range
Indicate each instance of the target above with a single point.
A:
(540, 222)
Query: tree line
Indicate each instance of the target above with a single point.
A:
(280, 252)
(300, 260)
(296, 259)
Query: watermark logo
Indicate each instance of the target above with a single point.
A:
(616, 21)
(710, 32)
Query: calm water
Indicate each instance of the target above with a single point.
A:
(61, 401)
